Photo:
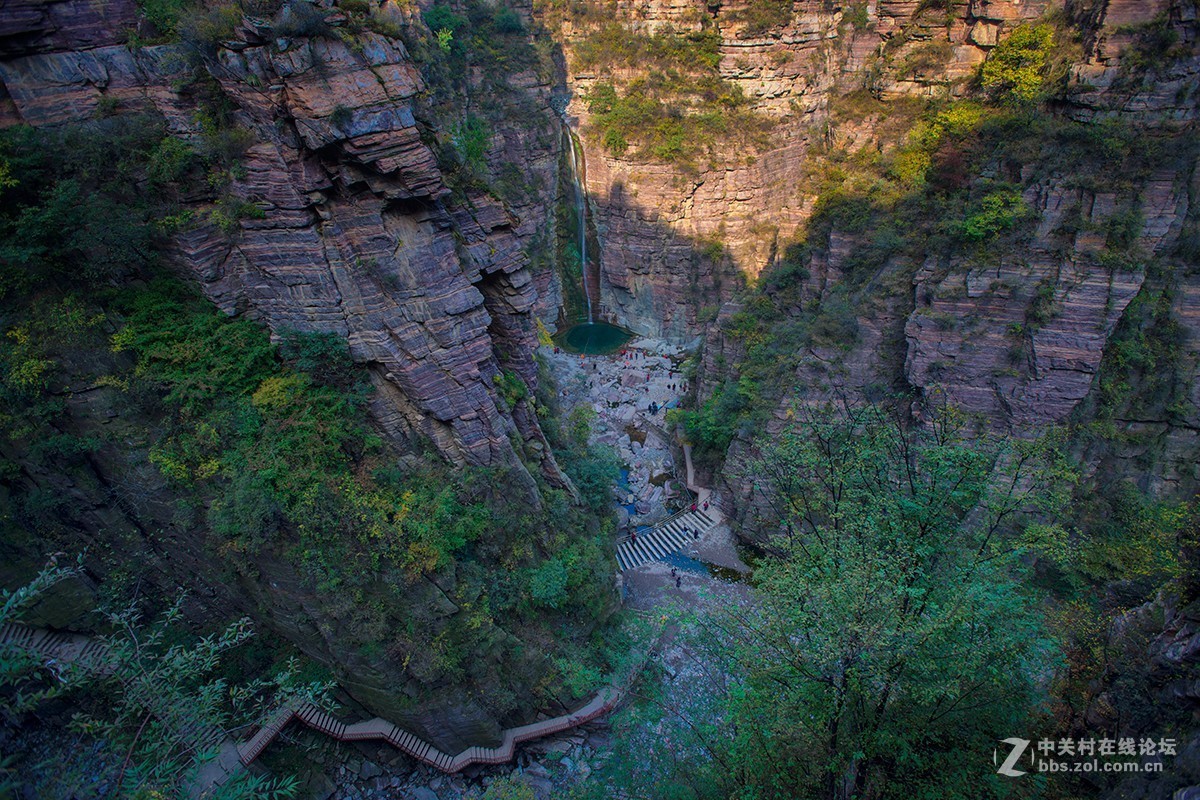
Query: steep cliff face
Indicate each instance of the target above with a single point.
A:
(356, 232)
(1015, 331)
(343, 207)
(1048, 325)
(678, 241)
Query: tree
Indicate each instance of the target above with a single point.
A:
(1016, 69)
(148, 703)
(891, 641)
(895, 641)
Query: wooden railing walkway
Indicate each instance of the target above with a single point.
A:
(604, 701)
(382, 730)
(69, 647)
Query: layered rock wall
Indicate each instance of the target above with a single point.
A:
(359, 234)
(657, 222)
(336, 215)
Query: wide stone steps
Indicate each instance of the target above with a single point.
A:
(662, 540)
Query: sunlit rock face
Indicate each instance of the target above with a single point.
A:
(678, 241)
(358, 234)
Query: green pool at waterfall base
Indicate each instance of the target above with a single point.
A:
(593, 338)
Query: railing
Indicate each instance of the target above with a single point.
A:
(601, 703)
(70, 647)
(623, 539)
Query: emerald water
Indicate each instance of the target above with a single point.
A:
(593, 338)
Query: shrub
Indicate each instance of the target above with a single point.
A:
(446, 26)
(858, 16)
(1016, 69)
(164, 15)
(508, 21)
(204, 29)
(762, 16)
(511, 388)
(927, 58)
(997, 212)
(170, 161)
(299, 19)
(340, 116)
(548, 583)
(471, 139)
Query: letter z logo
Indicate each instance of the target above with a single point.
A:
(1018, 750)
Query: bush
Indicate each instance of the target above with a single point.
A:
(508, 21)
(858, 16)
(548, 583)
(164, 15)
(447, 27)
(299, 19)
(471, 139)
(762, 16)
(1016, 69)
(997, 212)
(204, 29)
(510, 388)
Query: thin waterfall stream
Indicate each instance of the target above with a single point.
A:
(579, 178)
(588, 336)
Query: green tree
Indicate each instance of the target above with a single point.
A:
(149, 701)
(892, 640)
(1016, 69)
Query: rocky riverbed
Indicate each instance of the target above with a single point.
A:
(631, 393)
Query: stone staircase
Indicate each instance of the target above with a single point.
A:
(663, 539)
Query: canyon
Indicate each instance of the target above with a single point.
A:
(414, 201)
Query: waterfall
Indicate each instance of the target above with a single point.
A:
(579, 176)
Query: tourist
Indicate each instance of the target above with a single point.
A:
(693, 508)
(673, 572)
(678, 582)
(696, 534)
(706, 505)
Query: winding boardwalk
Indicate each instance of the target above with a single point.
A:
(68, 647)
(666, 537)
(380, 729)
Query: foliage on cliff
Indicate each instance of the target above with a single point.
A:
(951, 189)
(152, 707)
(892, 640)
(265, 448)
(659, 96)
